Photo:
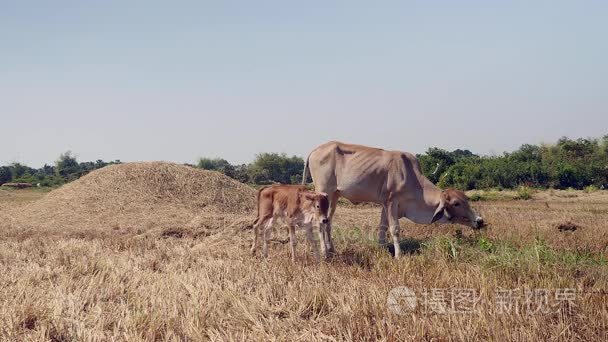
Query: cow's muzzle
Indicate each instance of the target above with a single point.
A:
(478, 223)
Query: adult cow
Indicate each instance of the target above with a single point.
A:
(390, 178)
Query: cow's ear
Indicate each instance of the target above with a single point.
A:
(438, 213)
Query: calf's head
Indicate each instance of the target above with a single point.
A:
(317, 204)
(454, 208)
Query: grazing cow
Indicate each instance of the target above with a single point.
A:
(390, 178)
(294, 205)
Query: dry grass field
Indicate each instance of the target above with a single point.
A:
(156, 251)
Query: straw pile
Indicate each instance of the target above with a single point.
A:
(141, 196)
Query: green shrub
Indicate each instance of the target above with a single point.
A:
(476, 197)
(590, 189)
(524, 193)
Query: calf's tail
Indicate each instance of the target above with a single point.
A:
(258, 205)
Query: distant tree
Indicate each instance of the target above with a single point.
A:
(85, 167)
(217, 164)
(241, 173)
(436, 161)
(6, 175)
(19, 170)
(100, 163)
(273, 167)
(527, 153)
(459, 154)
(568, 177)
(67, 166)
(604, 145)
(47, 170)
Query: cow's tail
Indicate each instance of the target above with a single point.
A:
(305, 172)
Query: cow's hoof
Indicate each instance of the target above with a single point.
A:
(330, 254)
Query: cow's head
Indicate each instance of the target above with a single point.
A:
(454, 208)
(318, 205)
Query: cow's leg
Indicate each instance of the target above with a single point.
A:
(393, 225)
(382, 227)
(266, 235)
(292, 240)
(311, 241)
(324, 179)
(322, 241)
(329, 244)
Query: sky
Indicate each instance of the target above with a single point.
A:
(178, 80)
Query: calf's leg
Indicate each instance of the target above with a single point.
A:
(259, 222)
(266, 233)
(292, 241)
(312, 242)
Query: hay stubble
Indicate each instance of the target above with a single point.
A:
(153, 258)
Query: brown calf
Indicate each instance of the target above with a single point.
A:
(295, 206)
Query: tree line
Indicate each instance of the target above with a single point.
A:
(65, 169)
(568, 163)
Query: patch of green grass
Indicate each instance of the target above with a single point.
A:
(486, 245)
(582, 258)
(477, 249)
(490, 253)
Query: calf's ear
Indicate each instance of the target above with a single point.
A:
(308, 196)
